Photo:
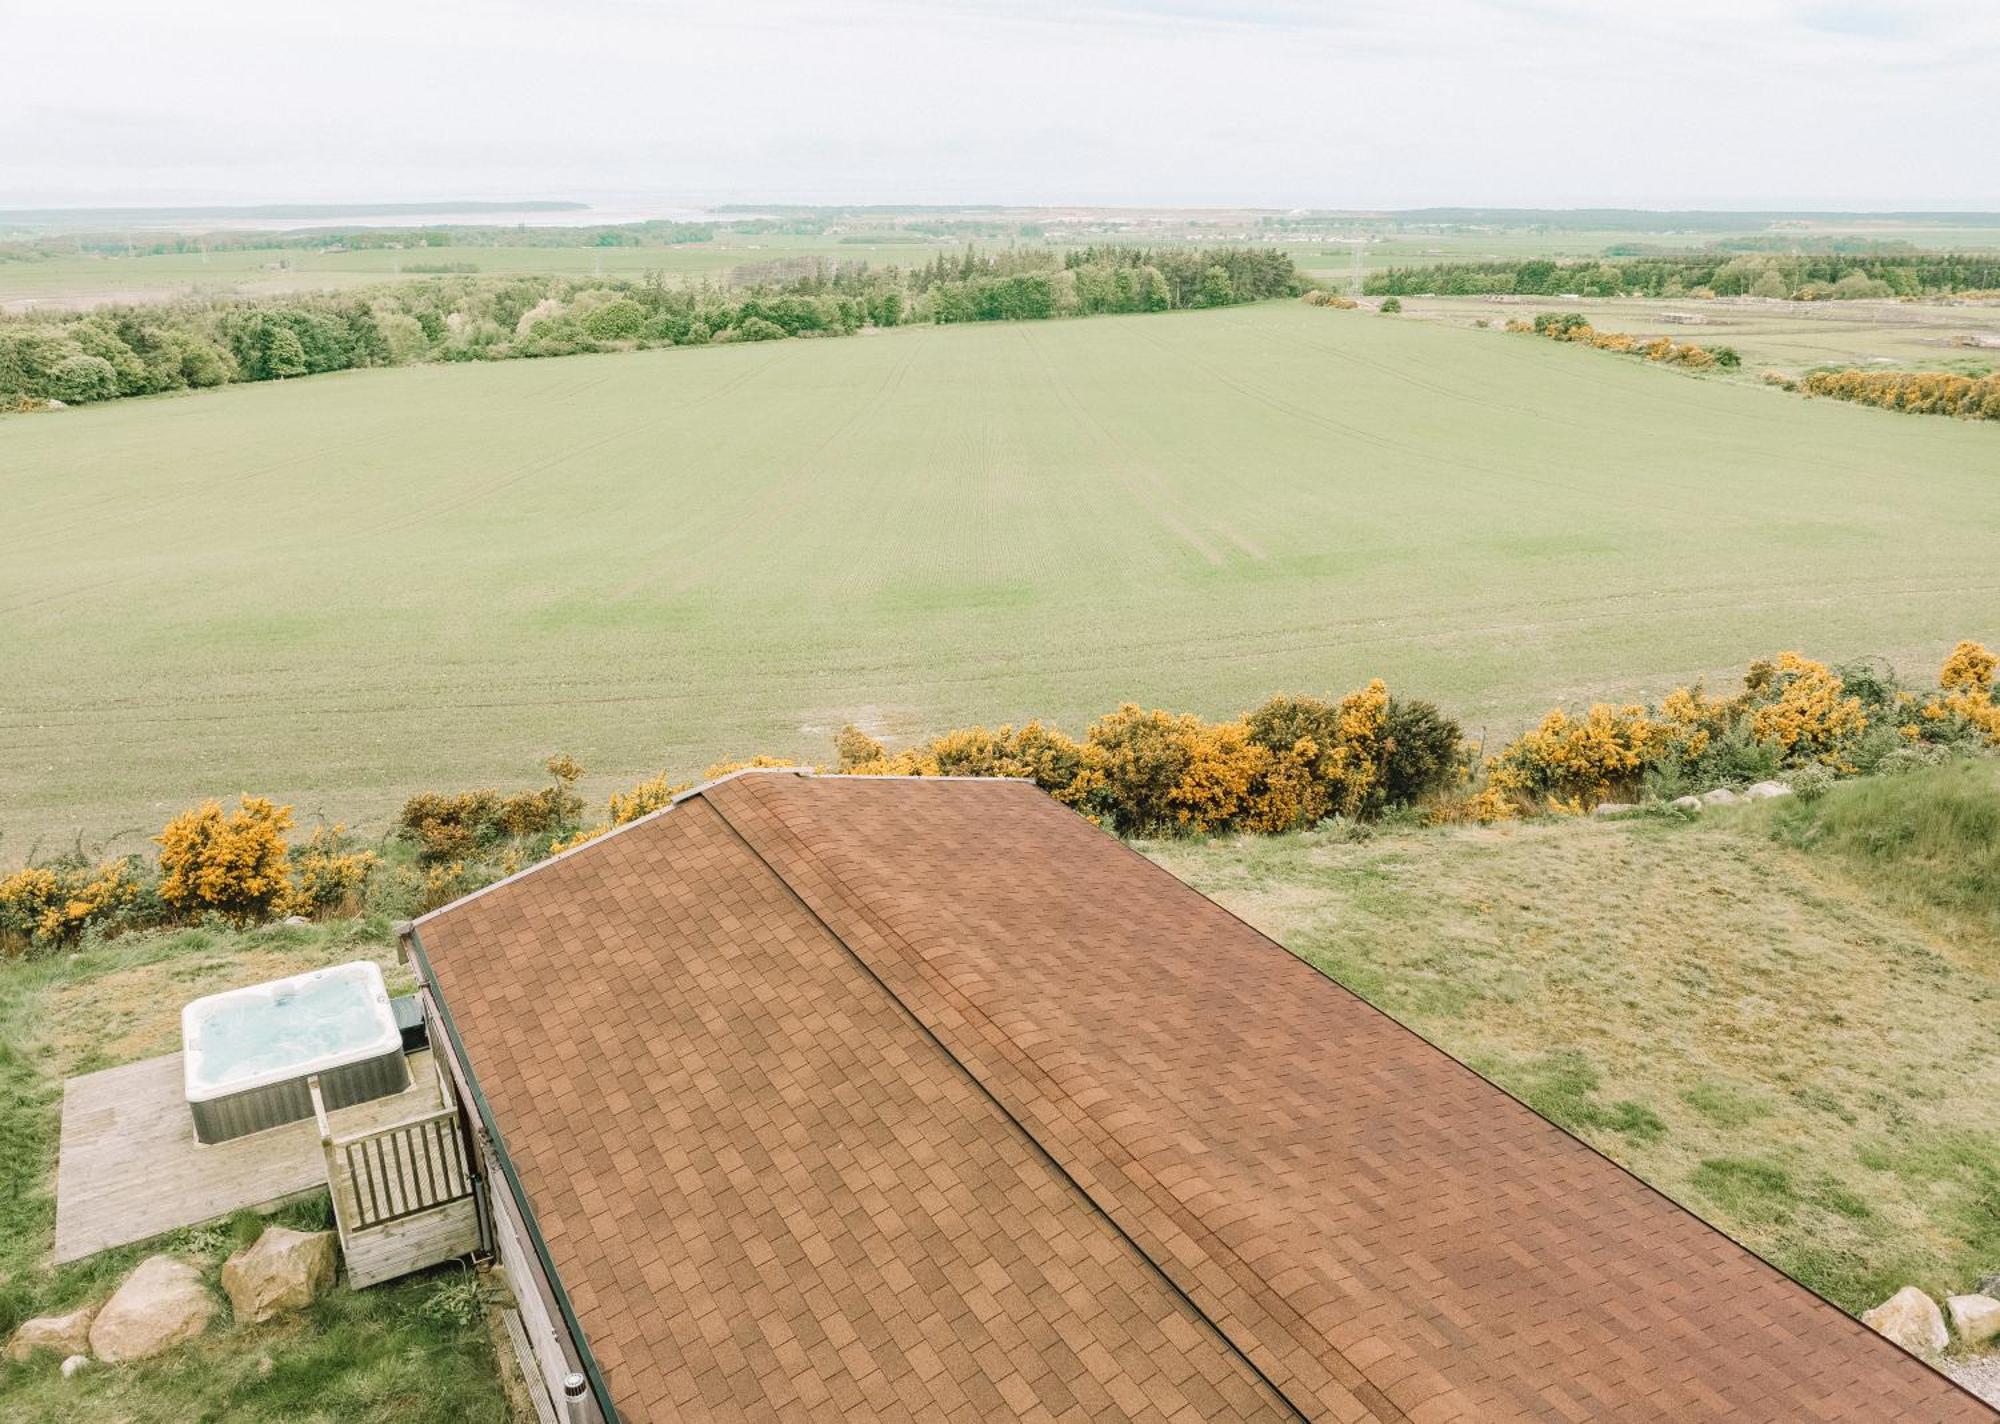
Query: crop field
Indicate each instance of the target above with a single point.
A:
(339, 589)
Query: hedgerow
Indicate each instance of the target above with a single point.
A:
(1915, 392)
(1576, 327)
(1290, 763)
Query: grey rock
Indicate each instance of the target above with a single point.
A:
(1721, 796)
(1689, 804)
(1606, 810)
(1765, 790)
(1974, 1318)
(73, 1364)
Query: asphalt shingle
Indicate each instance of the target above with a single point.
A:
(927, 1099)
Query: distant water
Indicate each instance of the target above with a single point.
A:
(279, 217)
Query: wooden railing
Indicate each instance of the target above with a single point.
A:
(403, 1195)
(401, 1170)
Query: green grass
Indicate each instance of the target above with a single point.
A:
(404, 1351)
(339, 589)
(1790, 1042)
(1930, 839)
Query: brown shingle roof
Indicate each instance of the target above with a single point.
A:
(928, 1099)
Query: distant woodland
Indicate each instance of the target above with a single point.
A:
(145, 350)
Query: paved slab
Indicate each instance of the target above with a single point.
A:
(129, 1167)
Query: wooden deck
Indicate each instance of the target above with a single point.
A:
(129, 1167)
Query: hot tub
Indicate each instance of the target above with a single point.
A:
(248, 1052)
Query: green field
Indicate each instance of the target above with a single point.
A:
(89, 280)
(339, 589)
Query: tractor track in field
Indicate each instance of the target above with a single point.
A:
(1248, 646)
(1136, 475)
(770, 504)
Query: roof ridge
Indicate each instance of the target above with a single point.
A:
(1358, 1385)
(979, 1085)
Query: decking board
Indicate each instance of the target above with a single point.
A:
(129, 1167)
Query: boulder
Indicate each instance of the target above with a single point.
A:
(296, 920)
(1721, 796)
(1605, 810)
(63, 1334)
(1911, 1319)
(73, 1364)
(161, 1304)
(1765, 790)
(1989, 1285)
(282, 1271)
(1974, 1318)
(1690, 804)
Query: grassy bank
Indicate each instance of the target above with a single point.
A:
(1786, 1019)
(412, 1350)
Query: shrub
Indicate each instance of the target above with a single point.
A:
(79, 379)
(1965, 708)
(1138, 763)
(853, 748)
(1422, 751)
(1916, 392)
(1569, 764)
(449, 826)
(618, 320)
(1805, 711)
(52, 905)
(1390, 306)
(1809, 783)
(328, 875)
(642, 800)
(1323, 759)
(462, 825)
(234, 865)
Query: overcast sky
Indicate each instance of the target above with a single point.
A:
(1725, 103)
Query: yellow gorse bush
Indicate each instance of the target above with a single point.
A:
(1569, 763)
(1812, 717)
(54, 904)
(234, 864)
(1966, 691)
(1916, 392)
(328, 877)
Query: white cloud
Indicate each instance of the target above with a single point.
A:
(1282, 102)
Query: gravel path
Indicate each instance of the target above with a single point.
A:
(1980, 1375)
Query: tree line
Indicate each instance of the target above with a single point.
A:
(1798, 276)
(144, 350)
(656, 233)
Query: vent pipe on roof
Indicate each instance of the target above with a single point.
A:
(575, 1388)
